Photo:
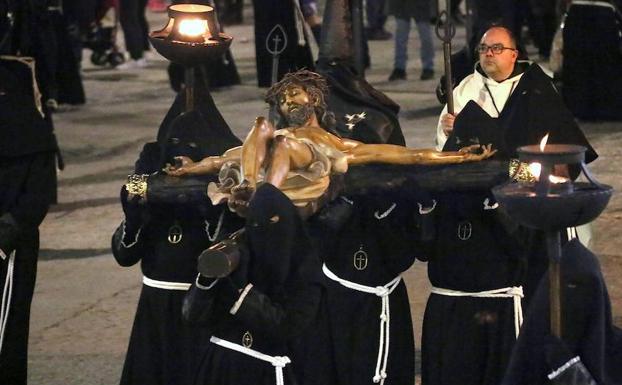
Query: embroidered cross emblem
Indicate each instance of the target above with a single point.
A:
(360, 259)
(175, 234)
(354, 118)
(247, 340)
(465, 229)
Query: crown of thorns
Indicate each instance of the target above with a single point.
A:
(314, 83)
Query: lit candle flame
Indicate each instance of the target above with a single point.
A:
(543, 142)
(557, 179)
(536, 168)
(192, 27)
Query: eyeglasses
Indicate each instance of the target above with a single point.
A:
(495, 48)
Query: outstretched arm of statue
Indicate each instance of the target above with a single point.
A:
(319, 135)
(209, 165)
(392, 154)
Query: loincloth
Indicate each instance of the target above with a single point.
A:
(301, 186)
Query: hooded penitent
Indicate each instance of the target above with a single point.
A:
(27, 176)
(286, 14)
(362, 112)
(167, 236)
(588, 331)
(268, 304)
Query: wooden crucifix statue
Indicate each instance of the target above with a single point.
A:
(300, 153)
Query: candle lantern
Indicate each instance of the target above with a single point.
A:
(191, 36)
(551, 203)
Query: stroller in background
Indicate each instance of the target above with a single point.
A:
(102, 35)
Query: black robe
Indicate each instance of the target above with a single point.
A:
(468, 340)
(280, 275)
(592, 62)
(383, 237)
(297, 55)
(162, 348)
(588, 330)
(27, 188)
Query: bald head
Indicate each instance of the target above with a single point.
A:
(498, 66)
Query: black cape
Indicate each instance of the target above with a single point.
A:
(361, 112)
(533, 110)
(268, 15)
(588, 330)
(592, 64)
(281, 272)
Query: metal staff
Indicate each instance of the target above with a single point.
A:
(446, 30)
(276, 42)
(357, 36)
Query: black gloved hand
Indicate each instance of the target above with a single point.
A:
(9, 231)
(134, 209)
(335, 214)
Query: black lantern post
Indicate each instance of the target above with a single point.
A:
(552, 203)
(190, 37)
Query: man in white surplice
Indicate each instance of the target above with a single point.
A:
(495, 77)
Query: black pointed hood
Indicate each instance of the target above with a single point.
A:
(25, 125)
(201, 132)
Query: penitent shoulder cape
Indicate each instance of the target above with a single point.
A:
(533, 110)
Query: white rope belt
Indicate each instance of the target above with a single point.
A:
(594, 3)
(279, 362)
(166, 285)
(6, 297)
(385, 317)
(514, 292)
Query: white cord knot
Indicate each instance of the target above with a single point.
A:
(382, 291)
(380, 373)
(281, 361)
(516, 291)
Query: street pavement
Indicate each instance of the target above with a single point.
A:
(84, 302)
